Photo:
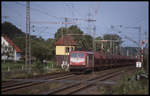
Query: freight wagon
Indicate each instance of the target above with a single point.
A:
(82, 61)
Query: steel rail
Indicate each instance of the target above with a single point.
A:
(11, 82)
(78, 83)
(29, 82)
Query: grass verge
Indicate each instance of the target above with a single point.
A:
(128, 84)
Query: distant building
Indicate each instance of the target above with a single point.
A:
(63, 46)
(16, 51)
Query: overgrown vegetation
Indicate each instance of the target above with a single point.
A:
(11, 65)
(17, 69)
(128, 84)
(47, 47)
(146, 60)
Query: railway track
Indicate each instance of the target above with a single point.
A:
(15, 84)
(10, 81)
(7, 82)
(78, 84)
(95, 88)
(96, 82)
(75, 87)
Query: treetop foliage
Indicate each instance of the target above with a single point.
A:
(45, 49)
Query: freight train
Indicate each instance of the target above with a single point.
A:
(82, 61)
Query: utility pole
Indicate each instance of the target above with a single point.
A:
(139, 39)
(89, 23)
(66, 20)
(127, 52)
(29, 40)
(28, 44)
(66, 57)
(94, 49)
(94, 32)
(111, 47)
(139, 35)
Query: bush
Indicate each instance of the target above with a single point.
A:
(21, 61)
(39, 66)
(130, 85)
(145, 63)
(52, 64)
(11, 65)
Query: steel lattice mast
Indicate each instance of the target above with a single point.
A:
(28, 43)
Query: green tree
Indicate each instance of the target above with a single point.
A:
(98, 43)
(11, 30)
(50, 43)
(83, 41)
(115, 44)
(87, 39)
(40, 48)
(43, 49)
(61, 31)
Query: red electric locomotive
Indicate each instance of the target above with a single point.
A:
(81, 61)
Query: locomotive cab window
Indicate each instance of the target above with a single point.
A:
(77, 55)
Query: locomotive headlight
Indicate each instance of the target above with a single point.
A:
(70, 63)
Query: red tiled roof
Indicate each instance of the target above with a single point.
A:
(66, 40)
(12, 44)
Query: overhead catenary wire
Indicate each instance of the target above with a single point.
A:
(40, 22)
(11, 20)
(76, 19)
(130, 39)
(75, 11)
(35, 9)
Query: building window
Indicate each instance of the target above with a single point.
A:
(67, 49)
(71, 49)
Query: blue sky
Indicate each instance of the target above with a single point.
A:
(128, 14)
